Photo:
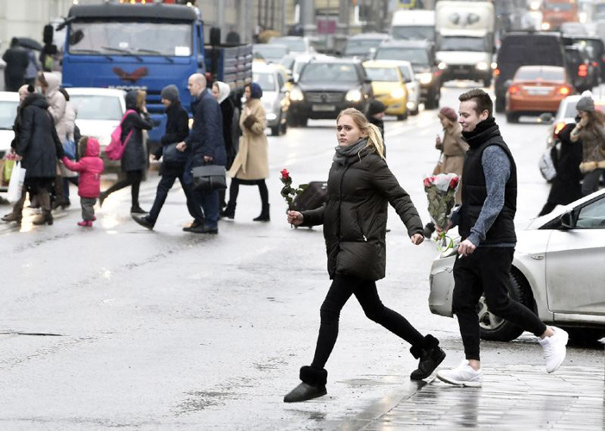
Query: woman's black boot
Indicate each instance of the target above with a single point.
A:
(313, 385)
(430, 356)
(264, 214)
(229, 211)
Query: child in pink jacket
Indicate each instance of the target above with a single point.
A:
(90, 167)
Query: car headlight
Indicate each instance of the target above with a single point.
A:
(271, 116)
(353, 95)
(425, 78)
(442, 65)
(296, 95)
(482, 65)
(397, 93)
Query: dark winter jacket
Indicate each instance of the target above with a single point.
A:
(355, 215)
(135, 157)
(38, 142)
(474, 190)
(16, 64)
(177, 130)
(230, 134)
(566, 186)
(206, 136)
(90, 167)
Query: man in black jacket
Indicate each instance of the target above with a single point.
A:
(177, 129)
(485, 255)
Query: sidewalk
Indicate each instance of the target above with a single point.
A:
(514, 397)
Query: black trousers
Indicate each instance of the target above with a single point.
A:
(365, 291)
(164, 186)
(486, 272)
(133, 179)
(262, 189)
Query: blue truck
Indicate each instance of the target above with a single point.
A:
(148, 46)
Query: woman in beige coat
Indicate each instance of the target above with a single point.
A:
(452, 148)
(251, 164)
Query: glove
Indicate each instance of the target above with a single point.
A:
(249, 121)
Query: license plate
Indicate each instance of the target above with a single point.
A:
(323, 107)
(538, 91)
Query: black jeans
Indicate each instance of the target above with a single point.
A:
(262, 189)
(164, 186)
(365, 291)
(486, 272)
(133, 179)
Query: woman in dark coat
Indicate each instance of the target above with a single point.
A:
(566, 186)
(360, 189)
(134, 160)
(38, 147)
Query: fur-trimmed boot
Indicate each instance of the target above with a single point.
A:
(430, 356)
(313, 385)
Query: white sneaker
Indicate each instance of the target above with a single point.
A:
(462, 375)
(554, 349)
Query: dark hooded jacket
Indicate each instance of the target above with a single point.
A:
(355, 215)
(177, 129)
(135, 157)
(38, 142)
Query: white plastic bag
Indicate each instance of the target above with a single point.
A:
(15, 185)
(547, 165)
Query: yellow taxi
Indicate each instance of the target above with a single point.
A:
(388, 85)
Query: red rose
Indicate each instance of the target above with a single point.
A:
(427, 182)
(285, 174)
(454, 183)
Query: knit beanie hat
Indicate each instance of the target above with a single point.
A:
(170, 92)
(586, 103)
(448, 113)
(256, 92)
(376, 107)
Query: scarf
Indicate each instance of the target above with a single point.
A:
(481, 127)
(343, 152)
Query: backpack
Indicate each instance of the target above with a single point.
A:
(115, 149)
(548, 162)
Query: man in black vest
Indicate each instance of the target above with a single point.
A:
(486, 224)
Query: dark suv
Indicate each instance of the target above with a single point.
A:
(521, 48)
(422, 56)
(327, 86)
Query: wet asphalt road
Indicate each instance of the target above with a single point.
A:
(120, 327)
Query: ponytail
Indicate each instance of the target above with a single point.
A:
(375, 139)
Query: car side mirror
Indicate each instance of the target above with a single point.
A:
(546, 117)
(568, 221)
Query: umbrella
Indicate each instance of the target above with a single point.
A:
(28, 42)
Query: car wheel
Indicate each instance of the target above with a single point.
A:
(292, 120)
(402, 117)
(494, 328)
(500, 104)
(415, 111)
(512, 117)
(284, 126)
(302, 122)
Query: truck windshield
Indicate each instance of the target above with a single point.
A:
(473, 44)
(417, 56)
(130, 38)
(416, 32)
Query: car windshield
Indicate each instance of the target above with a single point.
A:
(266, 80)
(297, 45)
(329, 72)
(417, 56)
(382, 74)
(571, 111)
(406, 71)
(414, 32)
(473, 44)
(271, 52)
(8, 112)
(95, 107)
(543, 74)
(361, 46)
(131, 38)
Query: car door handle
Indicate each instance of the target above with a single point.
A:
(537, 256)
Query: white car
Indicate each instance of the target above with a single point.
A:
(296, 44)
(99, 111)
(558, 271)
(9, 101)
(412, 84)
(276, 98)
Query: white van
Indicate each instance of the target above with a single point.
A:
(413, 25)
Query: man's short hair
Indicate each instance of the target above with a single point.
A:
(481, 98)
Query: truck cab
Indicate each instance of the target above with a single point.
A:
(147, 46)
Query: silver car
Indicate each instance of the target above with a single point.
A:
(566, 114)
(276, 98)
(558, 271)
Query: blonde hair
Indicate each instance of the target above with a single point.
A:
(141, 95)
(366, 128)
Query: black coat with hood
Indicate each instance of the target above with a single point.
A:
(135, 156)
(355, 215)
(177, 130)
(37, 140)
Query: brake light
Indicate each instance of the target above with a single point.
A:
(582, 70)
(594, 64)
(513, 89)
(558, 127)
(563, 91)
(496, 72)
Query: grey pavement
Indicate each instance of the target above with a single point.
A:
(512, 397)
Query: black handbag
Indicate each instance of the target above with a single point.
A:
(209, 177)
(172, 156)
